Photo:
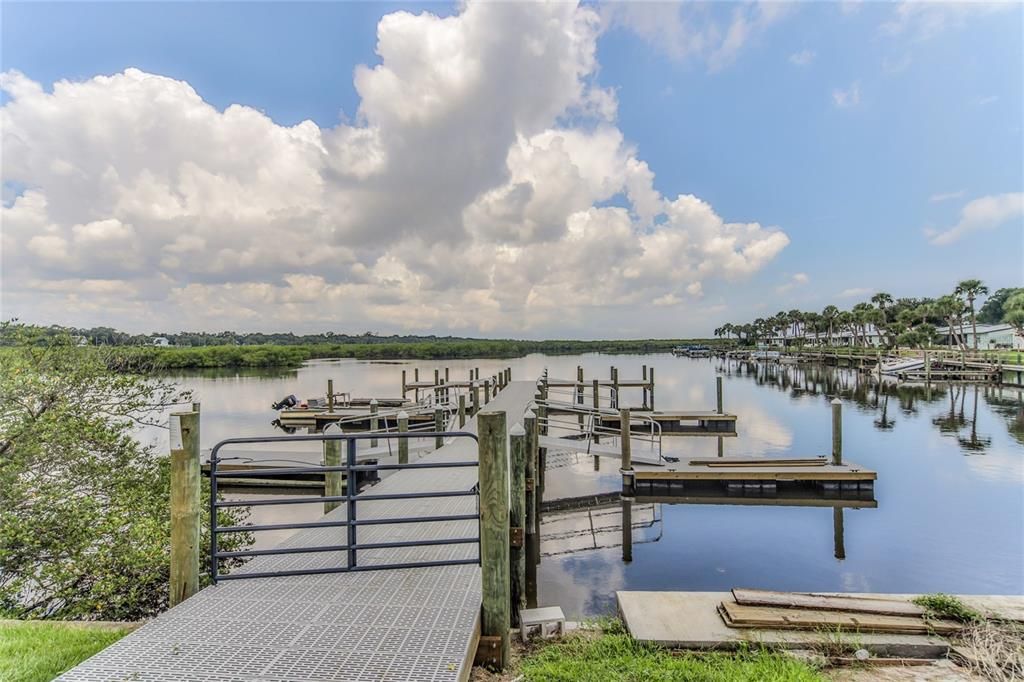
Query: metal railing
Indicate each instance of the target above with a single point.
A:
(351, 499)
(566, 417)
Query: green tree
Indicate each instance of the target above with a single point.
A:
(971, 289)
(1014, 312)
(85, 519)
(992, 311)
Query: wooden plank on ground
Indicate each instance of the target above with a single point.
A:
(819, 602)
(740, 616)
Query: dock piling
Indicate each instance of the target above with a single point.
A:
(627, 453)
(330, 395)
(493, 649)
(462, 410)
(333, 486)
(185, 481)
(438, 427)
(837, 431)
(487, 391)
(374, 422)
(718, 394)
(518, 440)
(532, 503)
(403, 443)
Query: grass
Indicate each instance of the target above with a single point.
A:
(35, 651)
(947, 606)
(610, 654)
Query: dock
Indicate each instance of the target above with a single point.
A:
(755, 475)
(389, 624)
(682, 422)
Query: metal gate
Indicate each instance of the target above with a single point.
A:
(351, 501)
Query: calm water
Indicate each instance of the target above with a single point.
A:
(950, 489)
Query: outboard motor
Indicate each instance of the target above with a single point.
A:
(287, 401)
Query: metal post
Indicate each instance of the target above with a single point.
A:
(403, 443)
(718, 392)
(350, 494)
(333, 485)
(185, 499)
(462, 410)
(837, 431)
(517, 520)
(494, 535)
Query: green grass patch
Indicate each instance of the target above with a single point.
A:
(947, 606)
(35, 651)
(614, 655)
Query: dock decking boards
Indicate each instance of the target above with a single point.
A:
(403, 624)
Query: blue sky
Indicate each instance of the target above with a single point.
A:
(849, 129)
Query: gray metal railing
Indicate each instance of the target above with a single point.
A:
(351, 500)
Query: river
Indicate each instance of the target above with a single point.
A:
(950, 488)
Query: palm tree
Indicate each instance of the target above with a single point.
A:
(972, 288)
(950, 308)
(829, 315)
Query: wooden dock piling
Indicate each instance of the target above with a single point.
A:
(718, 394)
(333, 480)
(517, 520)
(438, 427)
(374, 422)
(627, 452)
(330, 395)
(185, 481)
(837, 431)
(403, 443)
(462, 410)
(487, 391)
(493, 649)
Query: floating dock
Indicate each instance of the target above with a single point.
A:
(680, 422)
(765, 475)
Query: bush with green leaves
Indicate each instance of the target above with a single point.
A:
(84, 507)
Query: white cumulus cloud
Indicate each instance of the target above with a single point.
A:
(484, 187)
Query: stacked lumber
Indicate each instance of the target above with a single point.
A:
(808, 611)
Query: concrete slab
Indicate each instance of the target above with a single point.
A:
(690, 620)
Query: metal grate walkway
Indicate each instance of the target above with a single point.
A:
(404, 624)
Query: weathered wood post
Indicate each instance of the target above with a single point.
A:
(518, 443)
(927, 368)
(196, 407)
(615, 386)
(627, 452)
(403, 384)
(650, 389)
(878, 361)
(645, 386)
(476, 399)
(374, 422)
(530, 486)
(185, 481)
(462, 410)
(487, 391)
(437, 377)
(837, 431)
(493, 649)
(718, 394)
(416, 379)
(334, 485)
(403, 443)
(438, 427)
(330, 395)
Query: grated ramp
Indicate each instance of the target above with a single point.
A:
(403, 624)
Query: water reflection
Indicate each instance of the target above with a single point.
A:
(944, 521)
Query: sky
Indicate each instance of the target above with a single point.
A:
(502, 169)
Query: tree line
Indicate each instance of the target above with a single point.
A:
(898, 322)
